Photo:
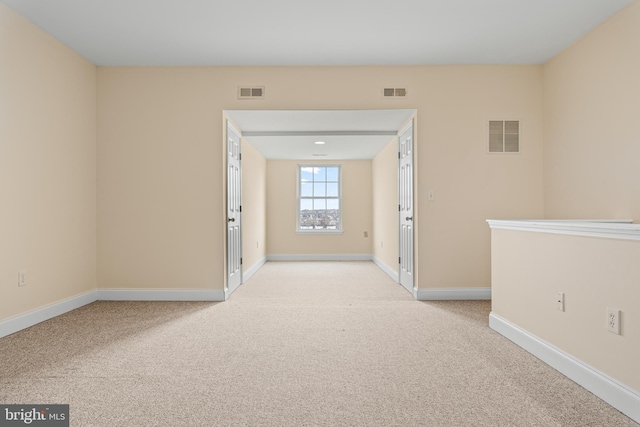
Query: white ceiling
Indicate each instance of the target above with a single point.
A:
(348, 134)
(323, 32)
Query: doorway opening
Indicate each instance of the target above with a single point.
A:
(368, 147)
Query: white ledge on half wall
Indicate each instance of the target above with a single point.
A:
(604, 228)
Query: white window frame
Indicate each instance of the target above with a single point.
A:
(338, 230)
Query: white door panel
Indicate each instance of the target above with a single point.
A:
(234, 211)
(405, 207)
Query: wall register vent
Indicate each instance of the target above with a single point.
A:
(504, 136)
(255, 92)
(394, 92)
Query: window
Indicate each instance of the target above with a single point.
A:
(319, 192)
(504, 136)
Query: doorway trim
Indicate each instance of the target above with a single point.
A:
(257, 123)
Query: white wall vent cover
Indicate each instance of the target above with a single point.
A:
(394, 92)
(254, 92)
(504, 136)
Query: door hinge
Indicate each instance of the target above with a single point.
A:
(239, 156)
(399, 260)
(240, 208)
(399, 209)
(240, 261)
(399, 155)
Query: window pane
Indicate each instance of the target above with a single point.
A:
(320, 174)
(319, 204)
(306, 174)
(332, 214)
(306, 189)
(319, 189)
(332, 174)
(306, 204)
(332, 189)
(322, 218)
(307, 215)
(333, 204)
(320, 223)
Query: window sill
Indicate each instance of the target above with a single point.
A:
(318, 232)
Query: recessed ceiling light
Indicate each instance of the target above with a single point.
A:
(319, 142)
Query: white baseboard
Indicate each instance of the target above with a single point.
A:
(246, 275)
(319, 257)
(436, 294)
(24, 321)
(618, 395)
(384, 267)
(34, 317)
(160, 295)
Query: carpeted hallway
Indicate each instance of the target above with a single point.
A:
(300, 344)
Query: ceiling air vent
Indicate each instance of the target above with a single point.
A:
(504, 136)
(255, 92)
(394, 92)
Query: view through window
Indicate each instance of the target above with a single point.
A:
(319, 201)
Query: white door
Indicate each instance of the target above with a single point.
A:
(405, 206)
(234, 211)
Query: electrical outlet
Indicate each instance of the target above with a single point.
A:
(560, 301)
(431, 196)
(613, 320)
(366, 234)
(22, 278)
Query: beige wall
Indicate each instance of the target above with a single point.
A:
(469, 184)
(254, 206)
(47, 168)
(592, 138)
(281, 211)
(385, 205)
(160, 204)
(594, 273)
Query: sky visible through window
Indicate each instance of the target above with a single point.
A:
(319, 198)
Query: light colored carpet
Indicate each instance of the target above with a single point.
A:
(300, 344)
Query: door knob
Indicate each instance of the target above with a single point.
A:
(232, 220)
(409, 218)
